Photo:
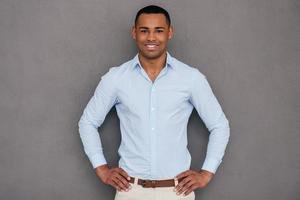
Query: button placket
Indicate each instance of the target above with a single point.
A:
(153, 134)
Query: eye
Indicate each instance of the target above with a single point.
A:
(159, 31)
(143, 30)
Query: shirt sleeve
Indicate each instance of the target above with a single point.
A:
(211, 113)
(99, 105)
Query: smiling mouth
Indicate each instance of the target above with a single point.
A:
(151, 46)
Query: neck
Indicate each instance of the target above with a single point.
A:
(153, 65)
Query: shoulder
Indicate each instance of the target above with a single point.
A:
(116, 72)
(187, 70)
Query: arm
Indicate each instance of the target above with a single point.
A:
(211, 113)
(104, 98)
(93, 116)
(214, 119)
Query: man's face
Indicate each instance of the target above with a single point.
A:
(152, 33)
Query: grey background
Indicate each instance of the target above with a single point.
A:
(53, 53)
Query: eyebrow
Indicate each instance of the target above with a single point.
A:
(143, 27)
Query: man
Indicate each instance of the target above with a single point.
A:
(154, 95)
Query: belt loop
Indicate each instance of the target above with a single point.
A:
(135, 181)
(176, 181)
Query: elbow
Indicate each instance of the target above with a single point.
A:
(81, 122)
(226, 128)
(81, 125)
(221, 128)
(85, 125)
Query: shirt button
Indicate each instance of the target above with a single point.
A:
(152, 109)
(152, 128)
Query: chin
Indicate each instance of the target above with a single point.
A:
(152, 55)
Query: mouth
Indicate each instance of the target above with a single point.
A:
(151, 46)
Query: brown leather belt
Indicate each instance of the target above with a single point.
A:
(154, 183)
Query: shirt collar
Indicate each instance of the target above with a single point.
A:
(136, 61)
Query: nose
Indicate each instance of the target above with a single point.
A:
(151, 36)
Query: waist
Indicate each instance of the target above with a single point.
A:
(146, 183)
(156, 170)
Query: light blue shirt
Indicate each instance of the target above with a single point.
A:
(153, 119)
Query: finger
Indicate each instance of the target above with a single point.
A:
(191, 189)
(186, 186)
(119, 183)
(115, 185)
(183, 174)
(181, 183)
(187, 183)
(123, 182)
(183, 187)
(124, 173)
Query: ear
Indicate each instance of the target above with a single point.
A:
(171, 32)
(133, 32)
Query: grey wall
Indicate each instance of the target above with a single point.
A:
(53, 53)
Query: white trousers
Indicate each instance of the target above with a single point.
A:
(137, 192)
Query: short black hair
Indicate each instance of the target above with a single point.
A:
(153, 9)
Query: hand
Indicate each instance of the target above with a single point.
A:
(192, 180)
(115, 177)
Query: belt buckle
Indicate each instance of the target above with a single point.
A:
(148, 183)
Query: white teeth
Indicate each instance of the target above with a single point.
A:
(151, 46)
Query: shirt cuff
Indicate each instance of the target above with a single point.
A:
(211, 165)
(98, 160)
